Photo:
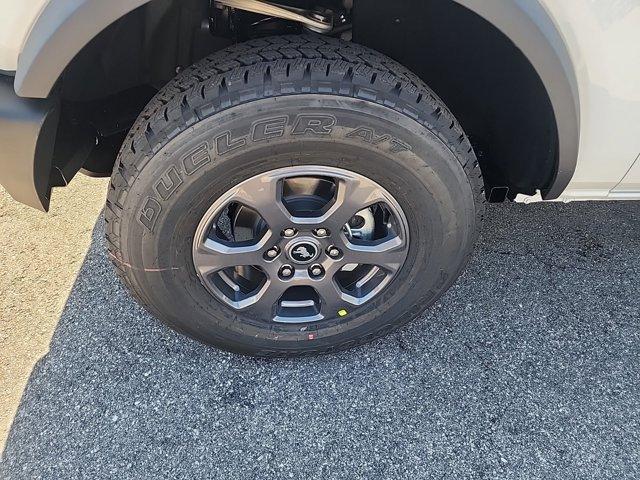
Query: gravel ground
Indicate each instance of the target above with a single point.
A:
(528, 368)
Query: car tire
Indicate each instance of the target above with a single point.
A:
(328, 112)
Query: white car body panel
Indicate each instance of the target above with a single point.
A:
(630, 184)
(16, 19)
(603, 41)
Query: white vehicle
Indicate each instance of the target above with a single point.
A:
(305, 176)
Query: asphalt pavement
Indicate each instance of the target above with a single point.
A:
(528, 368)
(40, 257)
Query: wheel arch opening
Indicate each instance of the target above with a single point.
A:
(524, 134)
(525, 138)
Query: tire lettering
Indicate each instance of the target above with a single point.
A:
(318, 124)
(168, 183)
(171, 180)
(398, 146)
(269, 128)
(225, 144)
(196, 159)
(368, 135)
(149, 213)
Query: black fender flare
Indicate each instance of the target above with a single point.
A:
(61, 31)
(65, 26)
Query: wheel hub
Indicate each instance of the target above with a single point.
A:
(304, 251)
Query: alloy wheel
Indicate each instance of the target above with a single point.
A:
(301, 244)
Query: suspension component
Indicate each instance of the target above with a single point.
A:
(314, 21)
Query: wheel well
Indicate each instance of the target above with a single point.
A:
(486, 81)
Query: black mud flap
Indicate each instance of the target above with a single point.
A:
(27, 137)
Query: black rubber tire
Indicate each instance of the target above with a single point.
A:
(169, 171)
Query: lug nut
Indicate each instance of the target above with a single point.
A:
(321, 232)
(286, 271)
(316, 270)
(289, 232)
(272, 253)
(334, 252)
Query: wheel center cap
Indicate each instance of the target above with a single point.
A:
(303, 251)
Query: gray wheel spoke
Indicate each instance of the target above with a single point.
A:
(389, 255)
(262, 195)
(264, 302)
(330, 298)
(212, 256)
(353, 195)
